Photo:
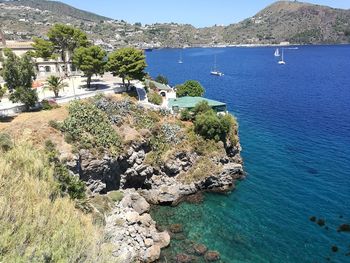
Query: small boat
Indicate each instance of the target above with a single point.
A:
(215, 71)
(180, 59)
(277, 53)
(282, 62)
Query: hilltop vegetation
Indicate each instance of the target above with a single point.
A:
(292, 21)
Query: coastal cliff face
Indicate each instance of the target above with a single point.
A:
(159, 185)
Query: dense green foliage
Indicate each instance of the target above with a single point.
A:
(128, 63)
(190, 88)
(155, 98)
(55, 84)
(90, 60)
(65, 39)
(215, 127)
(89, 128)
(37, 224)
(18, 72)
(43, 48)
(162, 79)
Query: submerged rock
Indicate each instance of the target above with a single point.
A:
(335, 249)
(321, 222)
(176, 228)
(183, 258)
(212, 256)
(200, 249)
(344, 228)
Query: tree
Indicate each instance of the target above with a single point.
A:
(43, 48)
(55, 84)
(65, 40)
(190, 88)
(128, 63)
(18, 73)
(162, 79)
(209, 126)
(90, 60)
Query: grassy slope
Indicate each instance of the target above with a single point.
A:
(37, 225)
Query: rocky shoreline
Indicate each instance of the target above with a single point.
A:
(129, 227)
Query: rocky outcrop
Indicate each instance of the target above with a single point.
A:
(158, 185)
(132, 232)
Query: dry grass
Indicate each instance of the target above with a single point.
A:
(37, 225)
(203, 168)
(35, 128)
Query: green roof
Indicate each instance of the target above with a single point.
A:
(159, 86)
(190, 102)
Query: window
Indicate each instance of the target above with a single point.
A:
(47, 69)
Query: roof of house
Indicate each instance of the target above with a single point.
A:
(159, 86)
(190, 102)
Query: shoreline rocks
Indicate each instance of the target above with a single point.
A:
(132, 231)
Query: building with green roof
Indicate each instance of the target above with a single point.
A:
(189, 103)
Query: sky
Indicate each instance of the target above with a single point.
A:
(199, 13)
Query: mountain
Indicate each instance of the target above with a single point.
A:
(292, 21)
(295, 22)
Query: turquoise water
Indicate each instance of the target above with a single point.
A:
(295, 133)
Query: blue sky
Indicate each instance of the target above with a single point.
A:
(196, 12)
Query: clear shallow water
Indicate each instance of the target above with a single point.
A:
(295, 133)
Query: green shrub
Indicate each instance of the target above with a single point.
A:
(190, 88)
(49, 104)
(89, 127)
(162, 79)
(5, 142)
(55, 124)
(186, 115)
(155, 98)
(201, 107)
(209, 126)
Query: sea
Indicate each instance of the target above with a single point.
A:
(294, 128)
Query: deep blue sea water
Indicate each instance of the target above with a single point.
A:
(295, 133)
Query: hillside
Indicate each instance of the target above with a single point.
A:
(296, 22)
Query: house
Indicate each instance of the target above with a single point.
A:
(45, 67)
(182, 103)
(164, 90)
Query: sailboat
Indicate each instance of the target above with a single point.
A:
(180, 59)
(282, 62)
(215, 71)
(277, 53)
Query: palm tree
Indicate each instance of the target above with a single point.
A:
(55, 84)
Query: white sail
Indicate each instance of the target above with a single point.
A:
(215, 71)
(277, 53)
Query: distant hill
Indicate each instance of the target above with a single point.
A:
(292, 21)
(295, 22)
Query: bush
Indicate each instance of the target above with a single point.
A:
(24, 95)
(89, 128)
(5, 142)
(201, 107)
(186, 115)
(155, 98)
(190, 88)
(209, 126)
(55, 124)
(162, 79)
(49, 104)
(213, 127)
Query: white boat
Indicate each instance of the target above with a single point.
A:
(282, 62)
(215, 71)
(180, 59)
(277, 53)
